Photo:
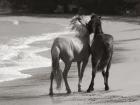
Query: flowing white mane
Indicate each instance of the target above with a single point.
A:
(79, 24)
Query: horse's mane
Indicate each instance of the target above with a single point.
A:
(79, 24)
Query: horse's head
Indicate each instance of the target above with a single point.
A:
(78, 24)
(76, 20)
(94, 22)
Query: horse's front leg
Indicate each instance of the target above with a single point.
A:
(94, 70)
(81, 74)
(51, 85)
(91, 86)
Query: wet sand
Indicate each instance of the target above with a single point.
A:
(124, 77)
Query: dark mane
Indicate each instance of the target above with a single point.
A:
(95, 25)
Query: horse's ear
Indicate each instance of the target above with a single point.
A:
(93, 15)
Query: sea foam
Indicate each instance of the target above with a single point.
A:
(22, 56)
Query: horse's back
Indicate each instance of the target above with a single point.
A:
(102, 49)
(71, 48)
(63, 44)
(103, 41)
(108, 39)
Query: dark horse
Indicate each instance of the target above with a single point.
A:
(101, 50)
(70, 49)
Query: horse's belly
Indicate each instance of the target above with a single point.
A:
(84, 55)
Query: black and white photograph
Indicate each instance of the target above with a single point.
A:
(69, 52)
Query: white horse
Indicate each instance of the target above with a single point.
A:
(71, 49)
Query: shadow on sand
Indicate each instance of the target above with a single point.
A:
(96, 97)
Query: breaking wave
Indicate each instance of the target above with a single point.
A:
(18, 55)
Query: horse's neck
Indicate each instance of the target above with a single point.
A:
(84, 37)
(98, 31)
(82, 34)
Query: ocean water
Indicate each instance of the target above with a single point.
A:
(17, 54)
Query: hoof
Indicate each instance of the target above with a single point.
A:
(106, 88)
(68, 91)
(89, 90)
(51, 94)
(79, 90)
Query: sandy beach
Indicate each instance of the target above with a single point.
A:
(33, 57)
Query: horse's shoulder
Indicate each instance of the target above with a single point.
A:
(106, 38)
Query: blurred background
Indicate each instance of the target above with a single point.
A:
(105, 7)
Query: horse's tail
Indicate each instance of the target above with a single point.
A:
(55, 52)
(110, 59)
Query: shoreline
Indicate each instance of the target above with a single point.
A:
(42, 45)
(44, 42)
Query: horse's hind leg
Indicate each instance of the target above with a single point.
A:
(106, 75)
(65, 73)
(51, 85)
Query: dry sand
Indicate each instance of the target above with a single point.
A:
(124, 77)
